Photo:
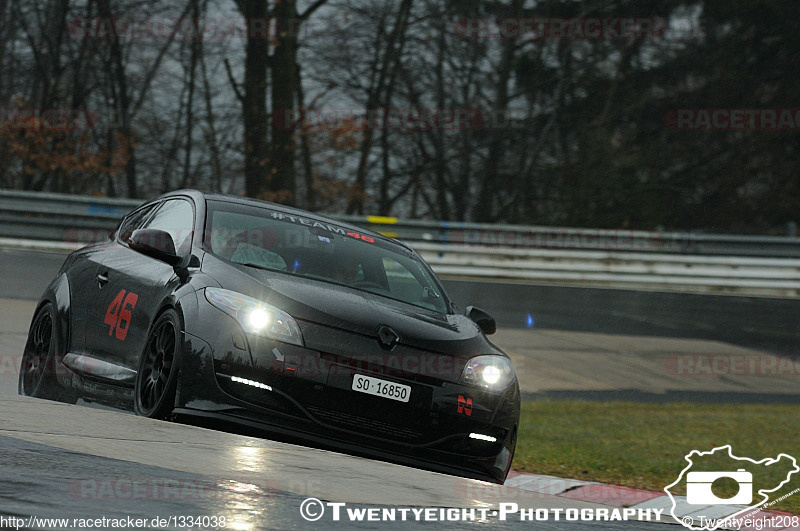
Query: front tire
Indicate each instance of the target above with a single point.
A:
(157, 377)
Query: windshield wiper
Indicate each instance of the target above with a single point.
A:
(256, 266)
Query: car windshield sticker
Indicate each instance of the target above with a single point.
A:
(313, 224)
(308, 223)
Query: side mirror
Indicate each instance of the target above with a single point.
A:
(484, 321)
(156, 243)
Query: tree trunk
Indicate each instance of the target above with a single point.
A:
(281, 182)
(254, 103)
(485, 210)
(196, 52)
(305, 149)
(123, 102)
(213, 144)
(391, 55)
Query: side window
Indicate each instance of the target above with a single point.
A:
(176, 217)
(134, 221)
(401, 282)
(406, 286)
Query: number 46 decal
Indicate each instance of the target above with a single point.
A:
(118, 315)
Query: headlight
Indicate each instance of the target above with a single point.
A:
(494, 372)
(256, 317)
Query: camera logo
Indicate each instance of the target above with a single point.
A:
(760, 482)
(698, 488)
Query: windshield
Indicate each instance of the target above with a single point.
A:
(269, 239)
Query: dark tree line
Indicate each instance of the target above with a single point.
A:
(566, 131)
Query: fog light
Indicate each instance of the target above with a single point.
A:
(250, 383)
(482, 437)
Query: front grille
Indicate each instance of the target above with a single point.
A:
(354, 422)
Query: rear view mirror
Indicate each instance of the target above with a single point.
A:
(484, 321)
(156, 243)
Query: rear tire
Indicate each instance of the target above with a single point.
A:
(37, 376)
(157, 377)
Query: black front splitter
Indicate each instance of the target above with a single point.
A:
(428, 459)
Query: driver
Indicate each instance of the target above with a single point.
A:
(345, 270)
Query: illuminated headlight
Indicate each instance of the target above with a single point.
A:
(256, 317)
(494, 372)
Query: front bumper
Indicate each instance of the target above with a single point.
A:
(306, 393)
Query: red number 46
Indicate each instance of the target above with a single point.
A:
(118, 315)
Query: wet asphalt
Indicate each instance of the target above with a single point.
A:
(49, 482)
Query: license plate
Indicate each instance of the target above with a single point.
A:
(378, 387)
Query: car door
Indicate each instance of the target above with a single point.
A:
(84, 293)
(138, 283)
(90, 285)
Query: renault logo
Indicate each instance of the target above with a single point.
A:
(387, 337)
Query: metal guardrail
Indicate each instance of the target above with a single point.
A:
(609, 258)
(778, 277)
(61, 217)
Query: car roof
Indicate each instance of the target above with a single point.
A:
(217, 196)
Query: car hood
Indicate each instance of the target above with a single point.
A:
(351, 310)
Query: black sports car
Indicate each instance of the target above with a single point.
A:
(279, 319)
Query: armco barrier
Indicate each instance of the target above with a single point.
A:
(759, 265)
(778, 277)
(62, 217)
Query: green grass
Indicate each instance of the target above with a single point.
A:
(644, 445)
